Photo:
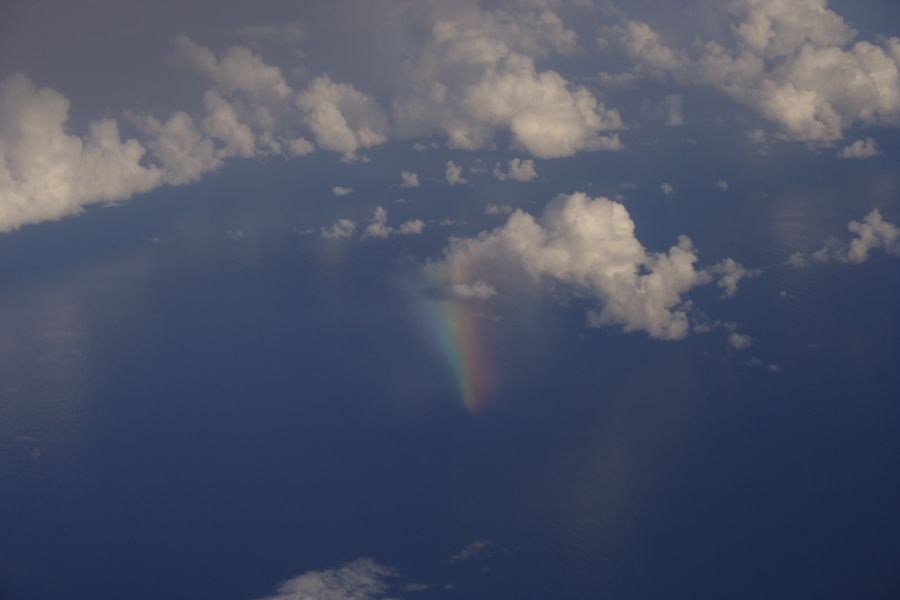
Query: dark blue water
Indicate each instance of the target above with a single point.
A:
(206, 417)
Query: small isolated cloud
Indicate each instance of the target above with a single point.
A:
(860, 149)
(758, 136)
(739, 341)
(667, 189)
(871, 234)
(479, 290)
(474, 550)
(729, 273)
(414, 227)
(756, 362)
(498, 209)
(362, 579)
(516, 170)
(409, 179)
(341, 191)
(454, 174)
(722, 185)
(342, 229)
(378, 228)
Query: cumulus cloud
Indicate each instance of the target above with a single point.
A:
(729, 272)
(340, 190)
(859, 149)
(739, 341)
(409, 179)
(516, 170)
(342, 118)
(342, 229)
(47, 173)
(498, 209)
(476, 76)
(378, 227)
(239, 70)
(589, 246)
(413, 227)
(453, 174)
(793, 62)
(362, 579)
(873, 233)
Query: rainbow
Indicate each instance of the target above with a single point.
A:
(453, 332)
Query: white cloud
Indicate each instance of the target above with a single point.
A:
(792, 63)
(516, 170)
(474, 550)
(871, 234)
(47, 173)
(454, 174)
(239, 70)
(729, 273)
(739, 341)
(588, 245)
(866, 148)
(342, 119)
(362, 579)
(342, 229)
(413, 227)
(378, 228)
(340, 190)
(410, 179)
(498, 209)
(667, 189)
(476, 76)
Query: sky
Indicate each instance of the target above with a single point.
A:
(449, 299)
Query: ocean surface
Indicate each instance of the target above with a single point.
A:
(196, 401)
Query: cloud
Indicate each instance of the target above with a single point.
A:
(342, 229)
(410, 179)
(516, 170)
(739, 341)
(413, 227)
(378, 227)
(667, 189)
(342, 119)
(722, 185)
(476, 549)
(476, 76)
(791, 61)
(498, 209)
(729, 273)
(339, 190)
(860, 149)
(362, 579)
(454, 174)
(871, 234)
(589, 246)
(478, 290)
(47, 173)
(239, 70)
